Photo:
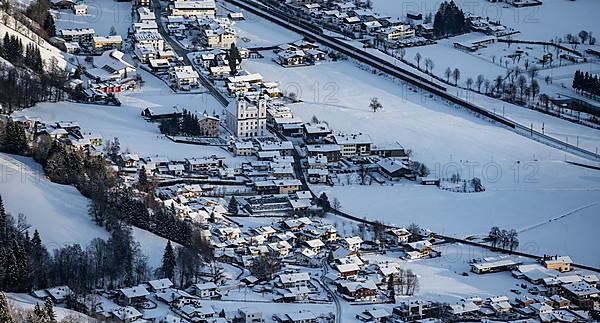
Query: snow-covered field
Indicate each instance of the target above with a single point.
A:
(527, 182)
(102, 15)
(553, 18)
(58, 212)
(254, 31)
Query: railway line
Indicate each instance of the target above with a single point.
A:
(315, 33)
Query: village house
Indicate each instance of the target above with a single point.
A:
(375, 315)
(393, 169)
(209, 126)
(203, 164)
(398, 236)
(562, 263)
(359, 291)
(330, 151)
(347, 271)
(412, 310)
(185, 77)
(128, 160)
(126, 314)
(280, 248)
(160, 285)
(111, 66)
(294, 280)
(150, 39)
(219, 37)
(176, 297)
(132, 296)
(83, 36)
(419, 249)
(219, 72)
(318, 175)
(290, 57)
(229, 233)
(302, 316)
(583, 295)
(352, 243)
(197, 313)
(193, 8)
(58, 294)
(80, 9)
(206, 290)
(353, 144)
(398, 32)
(315, 245)
(249, 315)
(314, 132)
(243, 148)
(102, 43)
(307, 257)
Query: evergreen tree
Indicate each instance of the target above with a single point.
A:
(233, 206)
(49, 25)
(15, 139)
(5, 316)
(3, 222)
(169, 262)
(234, 58)
(49, 310)
(323, 202)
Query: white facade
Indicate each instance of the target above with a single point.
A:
(247, 117)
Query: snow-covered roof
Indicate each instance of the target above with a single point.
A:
(559, 260)
(132, 292)
(391, 165)
(315, 243)
(344, 268)
(354, 286)
(160, 283)
(294, 278)
(352, 139)
(353, 240)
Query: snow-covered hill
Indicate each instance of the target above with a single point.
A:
(47, 50)
(58, 212)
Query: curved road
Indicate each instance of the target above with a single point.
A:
(334, 296)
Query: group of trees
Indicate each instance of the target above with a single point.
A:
(582, 37)
(27, 265)
(186, 125)
(449, 20)
(586, 83)
(505, 239)
(234, 58)
(39, 314)
(404, 282)
(23, 88)
(13, 139)
(13, 51)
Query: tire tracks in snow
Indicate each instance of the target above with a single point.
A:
(562, 216)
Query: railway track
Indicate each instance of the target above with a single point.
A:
(307, 30)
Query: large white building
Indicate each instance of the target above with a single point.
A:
(193, 8)
(151, 39)
(247, 117)
(83, 36)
